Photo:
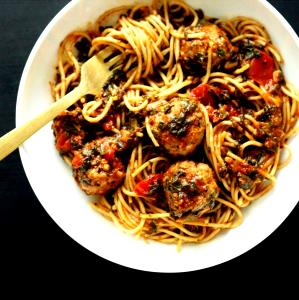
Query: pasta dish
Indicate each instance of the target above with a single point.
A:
(188, 131)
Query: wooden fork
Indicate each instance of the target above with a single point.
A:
(94, 74)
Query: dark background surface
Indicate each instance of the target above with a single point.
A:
(32, 245)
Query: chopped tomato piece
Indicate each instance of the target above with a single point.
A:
(77, 161)
(202, 93)
(110, 121)
(63, 142)
(149, 186)
(261, 68)
(108, 125)
(110, 154)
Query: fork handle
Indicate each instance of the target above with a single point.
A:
(13, 139)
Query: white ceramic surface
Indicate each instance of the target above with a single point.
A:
(52, 182)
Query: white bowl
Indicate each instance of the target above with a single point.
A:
(52, 181)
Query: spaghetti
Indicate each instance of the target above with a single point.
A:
(214, 87)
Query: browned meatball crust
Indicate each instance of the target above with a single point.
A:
(194, 52)
(189, 187)
(97, 167)
(177, 125)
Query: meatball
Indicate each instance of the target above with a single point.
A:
(194, 52)
(189, 187)
(97, 167)
(177, 125)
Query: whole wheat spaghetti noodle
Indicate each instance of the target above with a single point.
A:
(193, 92)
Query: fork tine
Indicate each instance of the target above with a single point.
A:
(114, 60)
(105, 53)
(117, 67)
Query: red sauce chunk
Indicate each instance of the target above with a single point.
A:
(202, 93)
(261, 69)
(149, 186)
(63, 142)
(77, 160)
(110, 154)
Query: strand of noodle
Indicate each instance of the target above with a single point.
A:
(177, 49)
(165, 79)
(251, 28)
(209, 66)
(128, 193)
(266, 96)
(101, 210)
(139, 154)
(235, 83)
(155, 216)
(146, 164)
(134, 108)
(276, 162)
(174, 88)
(128, 34)
(62, 78)
(290, 94)
(110, 41)
(244, 21)
(262, 172)
(139, 41)
(250, 143)
(147, 27)
(149, 66)
(126, 222)
(257, 195)
(217, 225)
(180, 236)
(142, 87)
(161, 29)
(220, 74)
(211, 235)
(166, 15)
(179, 226)
(230, 139)
(209, 137)
(113, 11)
(287, 115)
(129, 63)
(275, 53)
(130, 80)
(101, 116)
(124, 203)
(227, 26)
(256, 37)
(242, 69)
(288, 159)
(122, 228)
(187, 9)
(136, 8)
(149, 132)
(218, 143)
(292, 132)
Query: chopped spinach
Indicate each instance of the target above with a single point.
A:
(178, 126)
(199, 58)
(221, 52)
(174, 183)
(249, 50)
